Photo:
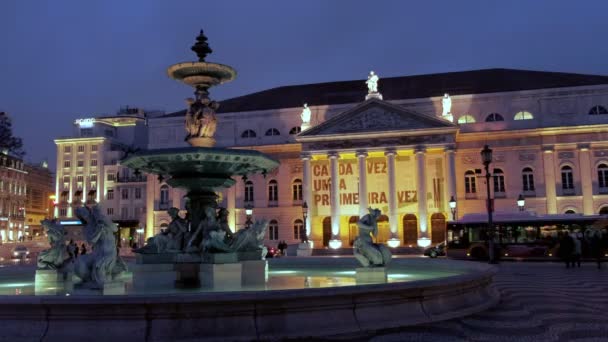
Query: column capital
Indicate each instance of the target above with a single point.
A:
(305, 156)
(584, 147)
(333, 155)
(548, 148)
(361, 154)
(420, 149)
(390, 152)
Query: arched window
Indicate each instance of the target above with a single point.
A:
(273, 230)
(273, 191)
(494, 117)
(597, 110)
(298, 227)
(604, 210)
(469, 182)
(602, 177)
(523, 115)
(567, 178)
(295, 130)
(248, 191)
(570, 211)
(466, 119)
(164, 194)
(297, 190)
(272, 132)
(499, 181)
(248, 134)
(528, 179)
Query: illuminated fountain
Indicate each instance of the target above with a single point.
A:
(242, 297)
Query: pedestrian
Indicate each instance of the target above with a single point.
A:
(282, 246)
(566, 248)
(76, 250)
(70, 249)
(596, 249)
(83, 249)
(577, 250)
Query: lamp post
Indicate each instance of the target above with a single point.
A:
(249, 213)
(303, 235)
(453, 208)
(521, 202)
(486, 157)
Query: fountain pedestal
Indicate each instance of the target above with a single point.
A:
(148, 275)
(371, 275)
(53, 282)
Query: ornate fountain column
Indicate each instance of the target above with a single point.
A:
(334, 202)
(423, 238)
(307, 189)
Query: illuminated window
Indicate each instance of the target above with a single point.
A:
(298, 227)
(273, 230)
(248, 134)
(602, 177)
(469, 182)
(295, 130)
(598, 110)
(567, 178)
(273, 191)
(494, 117)
(297, 190)
(499, 181)
(466, 119)
(528, 179)
(523, 116)
(272, 132)
(249, 191)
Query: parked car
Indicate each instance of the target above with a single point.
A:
(21, 252)
(435, 251)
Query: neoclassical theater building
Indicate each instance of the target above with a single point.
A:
(407, 150)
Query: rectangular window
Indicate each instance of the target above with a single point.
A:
(137, 193)
(93, 162)
(528, 180)
(79, 178)
(111, 177)
(499, 183)
(67, 163)
(66, 179)
(110, 211)
(567, 180)
(63, 212)
(124, 213)
(94, 148)
(93, 178)
(124, 193)
(80, 148)
(110, 194)
(67, 149)
(80, 163)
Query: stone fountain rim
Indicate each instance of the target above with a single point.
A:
(173, 69)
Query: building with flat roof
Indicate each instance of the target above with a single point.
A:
(39, 197)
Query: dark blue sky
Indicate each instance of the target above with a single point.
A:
(62, 60)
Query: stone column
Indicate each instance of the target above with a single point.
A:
(549, 168)
(334, 201)
(307, 190)
(450, 157)
(231, 207)
(423, 238)
(151, 183)
(392, 199)
(362, 163)
(584, 159)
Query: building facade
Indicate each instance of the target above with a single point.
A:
(13, 190)
(89, 170)
(39, 196)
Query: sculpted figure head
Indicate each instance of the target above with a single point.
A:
(173, 212)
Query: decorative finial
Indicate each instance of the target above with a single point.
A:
(201, 47)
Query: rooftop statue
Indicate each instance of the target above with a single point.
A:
(306, 114)
(372, 83)
(103, 264)
(54, 257)
(447, 105)
(171, 240)
(368, 253)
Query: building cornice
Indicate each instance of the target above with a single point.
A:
(73, 140)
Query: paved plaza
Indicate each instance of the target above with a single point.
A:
(539, 302)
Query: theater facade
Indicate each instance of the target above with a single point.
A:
(408, 149)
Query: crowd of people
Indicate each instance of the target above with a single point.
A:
(74, 251)
(572, 246)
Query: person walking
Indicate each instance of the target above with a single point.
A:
(596, 249)
(76, 250)
(566, 248)
(577, 251)
(83, 249)
(70, 249)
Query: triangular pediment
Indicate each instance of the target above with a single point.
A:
(376, 116)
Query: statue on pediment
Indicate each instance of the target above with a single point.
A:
(372, 83)
(447, 105)
(305, 115)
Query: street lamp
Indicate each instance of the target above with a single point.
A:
(486, 158)
(303, 235)
(521, 202)
(453, 208)
(249, 213)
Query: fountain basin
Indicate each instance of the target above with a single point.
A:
(267, 315)
(201, 73)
